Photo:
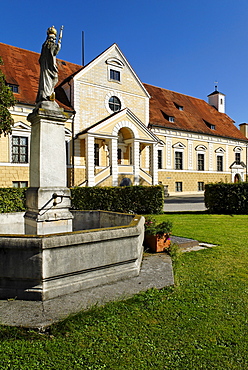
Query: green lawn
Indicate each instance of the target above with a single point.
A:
(201, 323)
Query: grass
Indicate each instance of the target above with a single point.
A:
(201, 323)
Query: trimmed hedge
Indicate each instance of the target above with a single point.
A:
(12, 200)
(127, 199)
(227, 198)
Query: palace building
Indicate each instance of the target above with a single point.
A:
(123, 131)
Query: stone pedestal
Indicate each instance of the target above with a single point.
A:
(48, 198)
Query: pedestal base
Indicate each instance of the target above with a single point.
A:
(48, 211)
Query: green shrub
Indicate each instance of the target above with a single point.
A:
(12, 200)
(225, 198)
(127, 199)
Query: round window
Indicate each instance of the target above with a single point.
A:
(114, 104)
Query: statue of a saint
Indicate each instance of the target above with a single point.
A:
(48, 66)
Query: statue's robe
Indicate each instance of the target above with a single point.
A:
(48, 70)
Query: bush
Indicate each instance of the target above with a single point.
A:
(12, 200)
(127, 199)
(227, 198)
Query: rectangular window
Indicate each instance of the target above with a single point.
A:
(96, 154)
(20, 184)
(179, 186)
(19, 149)
(159, 159)
(119, 156)
(178, 160)
(237, 158)
(131, 155)
(115, 75)
(200, 159)
(200, 186)
(13, 88)
(219, 163)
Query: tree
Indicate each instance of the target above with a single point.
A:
(7, 100)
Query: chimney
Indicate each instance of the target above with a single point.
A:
(217, 100)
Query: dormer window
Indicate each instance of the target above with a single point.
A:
(171, 119)
(13, 88)
(179, 107)
(115, 75)
(209, 125)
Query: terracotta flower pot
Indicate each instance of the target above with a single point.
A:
(157, 244)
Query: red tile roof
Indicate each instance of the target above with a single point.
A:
(196, 115)
(21, 67)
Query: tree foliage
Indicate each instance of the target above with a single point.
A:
(7, 100)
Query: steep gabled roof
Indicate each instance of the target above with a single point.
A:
(21, 67)
(189, 114)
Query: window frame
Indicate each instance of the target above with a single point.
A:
(220, 163)
(19, 146)
(160, 159)
(113, 73)
(201, 161)
(178, 186)
(178, 161)
(96, 154)
(115, 103)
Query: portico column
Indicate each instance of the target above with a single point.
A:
(136, 161)
(113, 160)
(90, 157)
(154, 164)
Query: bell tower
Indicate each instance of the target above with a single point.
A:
(217, 100)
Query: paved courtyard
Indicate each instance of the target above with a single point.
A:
(184, 203)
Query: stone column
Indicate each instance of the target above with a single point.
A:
(90, 156)
(113, 160)
(136, 161)
(154, 164)
(48, 198)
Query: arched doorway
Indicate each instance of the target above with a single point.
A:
(125, 146)
(237, 177)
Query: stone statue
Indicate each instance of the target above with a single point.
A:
(48, 66)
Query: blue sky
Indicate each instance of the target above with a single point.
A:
(181, 45)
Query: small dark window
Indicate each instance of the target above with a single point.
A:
(200, 162)
(20, 184)
(19, 149)
(179, 186)
(119, 155)
(179, 107)
(96, 154)
(237, 158)
(178, 160)
(114, 104)
(200, 186)
(115, 75)
(159, 159)
(13, 88)
(131, 155)
(171, 119)
(219, 163)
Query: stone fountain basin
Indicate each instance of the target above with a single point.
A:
(103, 247)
